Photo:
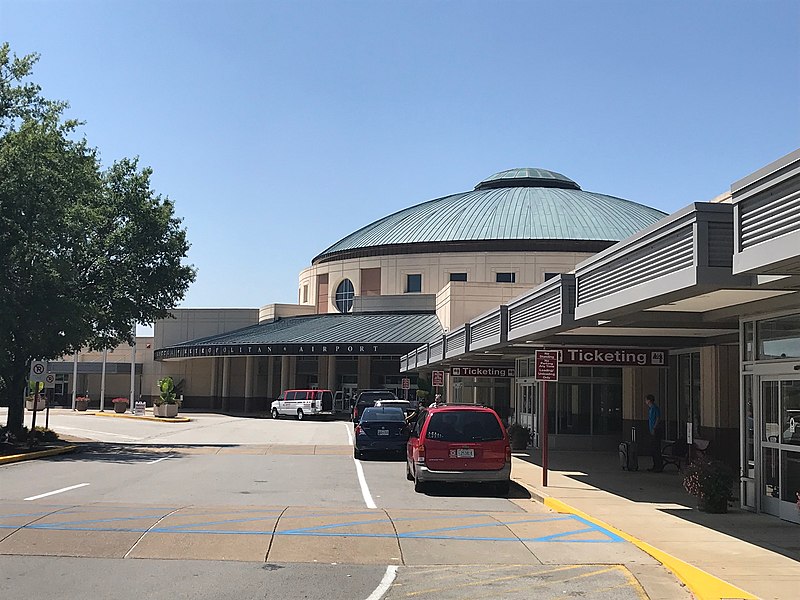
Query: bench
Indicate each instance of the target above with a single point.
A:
(680, 453)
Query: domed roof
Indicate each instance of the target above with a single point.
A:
(515, 206)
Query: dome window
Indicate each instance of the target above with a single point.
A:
(344, 296)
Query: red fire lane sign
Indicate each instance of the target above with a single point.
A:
(547, 365)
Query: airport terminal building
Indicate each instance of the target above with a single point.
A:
(700, 308)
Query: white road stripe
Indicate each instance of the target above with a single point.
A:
(66, 489)
(349, 433)
(385, 584)
(152, 462)
(364, 488)
(99, 432)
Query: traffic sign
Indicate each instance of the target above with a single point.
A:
(547, 365)
(406, 383)
(50, 381)
(38, 370)
(438, 379)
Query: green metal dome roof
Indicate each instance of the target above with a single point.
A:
(518, 209)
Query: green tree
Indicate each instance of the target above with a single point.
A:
(85, 253)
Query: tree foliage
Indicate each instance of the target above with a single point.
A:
(85, 252)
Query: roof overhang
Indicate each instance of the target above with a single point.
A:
(767, 219)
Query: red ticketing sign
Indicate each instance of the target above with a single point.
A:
(547, 365)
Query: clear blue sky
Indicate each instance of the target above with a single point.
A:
(280, 127)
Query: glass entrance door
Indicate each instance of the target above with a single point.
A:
(780, 446)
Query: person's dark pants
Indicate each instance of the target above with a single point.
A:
(655, 449)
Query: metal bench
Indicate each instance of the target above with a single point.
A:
(680, 453)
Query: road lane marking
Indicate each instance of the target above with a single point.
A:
(349, 433)
(66, 489)
(385, 584)
(100, 432)
(364, 487)
(152, 462)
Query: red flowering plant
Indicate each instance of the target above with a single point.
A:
(120, 400)
(712, 482)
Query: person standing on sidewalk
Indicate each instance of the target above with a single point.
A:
(656, 426)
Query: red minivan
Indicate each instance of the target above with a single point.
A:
(459, 443)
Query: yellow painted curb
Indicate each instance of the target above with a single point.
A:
(703, 585)
(145, 418)
(32, 455)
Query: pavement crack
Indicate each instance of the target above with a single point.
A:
(511, 531)
(274, 529)
(396, 537)
(149, 529)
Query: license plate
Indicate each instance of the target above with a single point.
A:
(462, 453)
(383, 432)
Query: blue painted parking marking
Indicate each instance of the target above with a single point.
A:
(584, 532)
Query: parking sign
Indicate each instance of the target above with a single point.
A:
(438, 378)
(38, 370)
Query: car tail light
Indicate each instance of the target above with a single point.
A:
(355, 413)
(359, 431)
(508, 454)
(421, 454)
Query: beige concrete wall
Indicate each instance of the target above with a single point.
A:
(193, 323)
(460, 301)
(637, 382)
(481, 267)
(270, 312)
(719, 387)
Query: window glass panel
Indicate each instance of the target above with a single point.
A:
(607, 409)
(506, 277)
(747, 345)
(790, 394)
(779, 338)
(791, 476)
(550, 275)
(344, 296)
(574, 408)
(769, 464)
(749, 445)
(413, 283)
(769, 412)
(458, 276)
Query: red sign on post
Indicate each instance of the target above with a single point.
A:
(547, 365)
(406, 383)
(438, 379)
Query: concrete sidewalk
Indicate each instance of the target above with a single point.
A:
(759, 554)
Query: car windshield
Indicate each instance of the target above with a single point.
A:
(464, 426)
(389, 413)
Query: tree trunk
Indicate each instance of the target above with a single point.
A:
(15, 391)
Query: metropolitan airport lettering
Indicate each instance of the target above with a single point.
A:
(267, 349)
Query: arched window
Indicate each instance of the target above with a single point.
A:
(344, 296)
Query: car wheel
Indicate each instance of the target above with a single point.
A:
(419, 486)
(275, 413)
(356, 453)
(300, 414)
(409, 474)
(503, 488)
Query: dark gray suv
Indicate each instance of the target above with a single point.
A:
(367, 398)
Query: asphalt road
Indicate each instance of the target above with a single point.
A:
(224, 507)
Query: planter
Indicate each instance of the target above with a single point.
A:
(41, 404)
(716, 505)
(519, 442)
(81, 405)
(120, 407)
(166, 410)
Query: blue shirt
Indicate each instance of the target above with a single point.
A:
(653, 415)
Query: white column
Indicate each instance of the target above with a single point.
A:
(226, 371)
(330, 384)
(103, 382)
(132, 397)
(270, 376)
(249, 371)
(214, 381)
(74, 378)
(286, 372)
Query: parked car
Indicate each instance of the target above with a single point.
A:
(303, 403)
(381, 429)
(366, 398)
(459, 443)
(407, 406)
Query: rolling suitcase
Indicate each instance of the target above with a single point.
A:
(628, 454)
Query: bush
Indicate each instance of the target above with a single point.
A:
(711, 481)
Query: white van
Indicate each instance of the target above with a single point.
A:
(303, 403)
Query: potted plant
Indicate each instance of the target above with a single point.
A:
(712, 482)
(41, 403)
(120, 404)
(81, 403)
(166, 404)
(519, 436)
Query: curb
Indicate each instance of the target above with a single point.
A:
(703, 585)
(145, 418)
(4, 460)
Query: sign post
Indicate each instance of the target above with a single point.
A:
(437, 379)
(49, 390)
(546, 370)
(406, 383)
(37, 376)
